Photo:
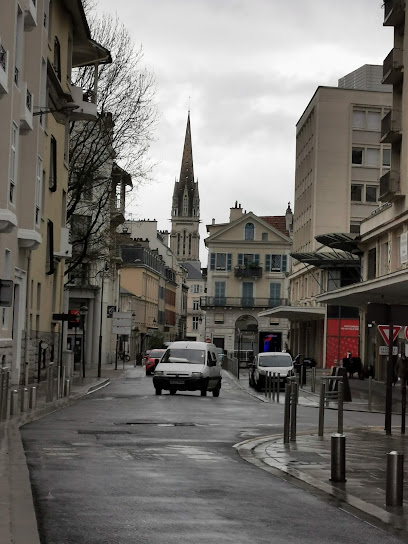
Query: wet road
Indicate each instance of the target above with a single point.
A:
(124, 466)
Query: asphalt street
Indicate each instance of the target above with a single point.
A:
(125, 466)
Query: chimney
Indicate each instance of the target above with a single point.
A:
(235, 212)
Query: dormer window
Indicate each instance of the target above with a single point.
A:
(249, 231)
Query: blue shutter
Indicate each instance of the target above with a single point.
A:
(229, 261)
(284, 263)
(212, 261)
(240, 259)
(267, 263)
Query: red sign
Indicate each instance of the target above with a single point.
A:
(342, 338)
(385, 332)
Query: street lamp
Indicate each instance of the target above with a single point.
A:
(104, 269)
(82, 312)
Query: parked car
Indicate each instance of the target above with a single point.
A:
(189, 366)
(152, 360)
(278, 362)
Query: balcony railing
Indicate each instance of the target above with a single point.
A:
(391, 127)
(241, 302)
(393, 66)
(394, 12)
(390, 186)
(248, 272)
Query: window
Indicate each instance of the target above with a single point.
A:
(264, 236)
(386, 157)
(372, 264)
(13, 163)
(196, 288)
(53, 165)
(57, 57)
(276, 263)
(220, 261)
(245, 259)
(247, 293)
(356, 193)
(359, 119)
(38, 190)
(219, 292)
(196, 304)
(249, 231)
(355, 228)
(371, 193)
(357, 155)
(219, 318)
(195, 323)
(274, 294)
(367, 120)
(372, 157)
(185, 205)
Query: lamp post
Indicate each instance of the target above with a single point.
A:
(83, 311)
(105, 269)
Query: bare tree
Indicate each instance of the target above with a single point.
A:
(122, 133)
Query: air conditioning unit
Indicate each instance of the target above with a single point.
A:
(65, 251)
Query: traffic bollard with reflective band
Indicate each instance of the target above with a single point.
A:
(394, 493)
(293, 411)
(24, 399)
(321, 409)
(67, 387)
(14, 402)
(33, 398)
(338, 457)
(286, 418)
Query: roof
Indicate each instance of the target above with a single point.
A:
(344, 241)
(298, 313)
(277, 221)
(327, 259)
(193, 270)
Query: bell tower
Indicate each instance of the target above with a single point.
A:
(185, 212)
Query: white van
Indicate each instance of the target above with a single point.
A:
(272, 362)
(188, 366)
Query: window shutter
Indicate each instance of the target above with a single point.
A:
(267, 263)
(256, 258)
(212, 261)
(284, 263)
(229, 261)
(240, 259)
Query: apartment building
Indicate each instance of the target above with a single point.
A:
(40, 42)
(247, 274)
(382, 295)
(340, 159)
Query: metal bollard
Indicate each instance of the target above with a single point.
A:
(14, 402)
(340, 407)
(338, 457)
(24, 400)
(67, 390)
(63, 382)
(394, 492)
(321, 408)
(5, 394)
(277, 387)
(370, 393)
(293, 411)
(33, 398)
(286, 413)
(269, 385)
(50, 382)
(273, 386)
(313, 380)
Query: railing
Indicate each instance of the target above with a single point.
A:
(242, 302)
(248, 272)
(3, 58)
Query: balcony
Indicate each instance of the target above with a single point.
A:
(250, 271)
(87, 105)
(393, 67)
(390, 187)
(3, 70)
(391, 127)
(30, 13)
(26, 118)
(394, 12)
(207, 303)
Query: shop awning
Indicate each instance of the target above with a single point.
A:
(343, 241)
(388, 289)
(325, 259)
(295, 313)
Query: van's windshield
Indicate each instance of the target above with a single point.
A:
(275, 360)
(195, 356)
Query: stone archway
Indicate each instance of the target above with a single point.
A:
(246, 337)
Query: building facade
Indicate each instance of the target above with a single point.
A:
(247, 274)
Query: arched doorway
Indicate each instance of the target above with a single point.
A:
(246, 338)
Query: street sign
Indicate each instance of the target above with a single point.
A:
(384, 350)
(385, 332)
(122, 322)
(110, 311)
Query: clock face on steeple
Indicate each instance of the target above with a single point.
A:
(184, 239)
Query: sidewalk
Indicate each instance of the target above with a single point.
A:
(307, 462)
(18, 524)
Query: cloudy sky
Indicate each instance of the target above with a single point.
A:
(247, 69)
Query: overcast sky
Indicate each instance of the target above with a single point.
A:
(248, 69)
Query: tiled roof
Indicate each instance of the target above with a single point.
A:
(277, 221)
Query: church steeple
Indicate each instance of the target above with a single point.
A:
(184, 240)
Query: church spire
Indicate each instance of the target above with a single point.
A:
(187, 170)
